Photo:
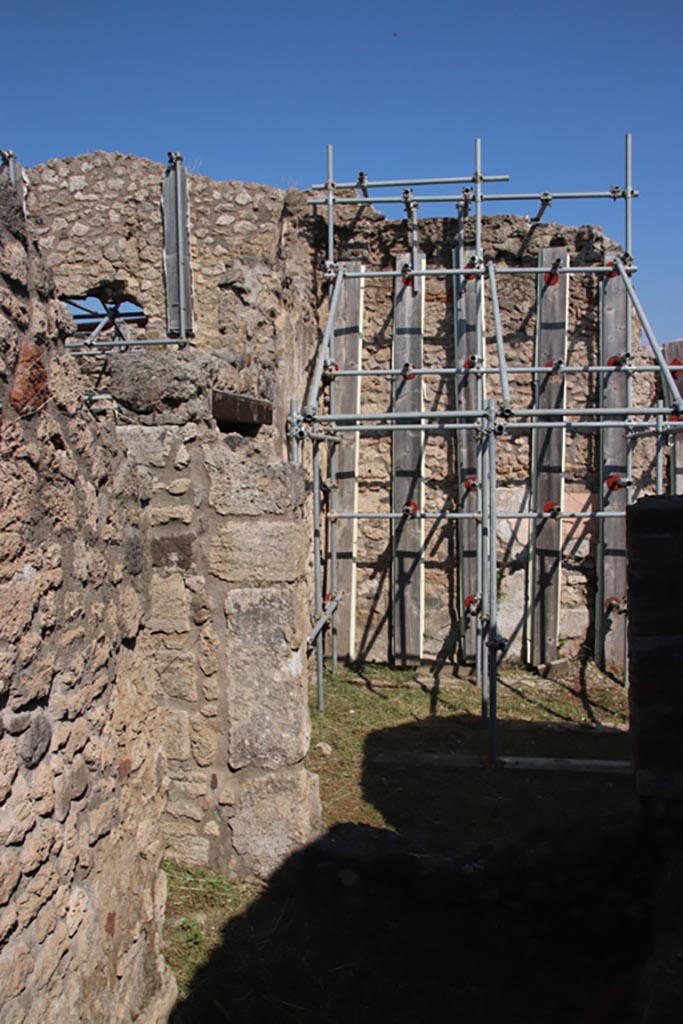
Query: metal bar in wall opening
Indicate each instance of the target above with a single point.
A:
(468, 353)
(407, 579)
(317, 571)
(610, 620)
(547, 466)
(177, 252)
(345, 399)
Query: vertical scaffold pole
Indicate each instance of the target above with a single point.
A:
(317, 569)
(492, 636)
(330, 206)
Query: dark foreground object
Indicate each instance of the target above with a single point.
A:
(360, 927)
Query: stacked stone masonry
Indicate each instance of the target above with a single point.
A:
(82, 769)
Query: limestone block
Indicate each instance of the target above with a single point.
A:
(273, 816)
(163, 514)
(266, 686)
(275, 551)
(176, 735)
(204, 736)
(37, 846)
(169, 605)
(244, 479)
(18, 815)
(177, 672)
(148, 446)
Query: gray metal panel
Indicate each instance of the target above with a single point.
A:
(674, 350)
(177, 254)
(610, 622)
(468, 393)
(407, 474)
(547, 466)
(345, 399)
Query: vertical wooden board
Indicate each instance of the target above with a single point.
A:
(610, 633)
(407, 474)
(547, 466)
(345, 400)
(674, 350)
(468, 395)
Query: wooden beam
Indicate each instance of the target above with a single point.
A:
(232, 411)
(610, 620)
(469, 394)
(345, 399)
(407, 473)
(547, 465)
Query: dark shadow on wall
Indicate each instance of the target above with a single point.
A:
(506, 897)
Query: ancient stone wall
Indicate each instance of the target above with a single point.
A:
(82, 772)
(224, 538)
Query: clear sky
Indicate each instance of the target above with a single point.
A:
(255, 91)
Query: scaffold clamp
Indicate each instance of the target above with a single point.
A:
(472, 604)
(470, 484)
(615, 482)
(551, 509)
(615, 605)
(406, 371)
(410, 509)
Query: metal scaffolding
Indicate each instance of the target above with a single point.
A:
(479, 426)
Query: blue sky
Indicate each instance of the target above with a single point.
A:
(255, 91)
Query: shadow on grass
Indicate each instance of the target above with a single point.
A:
(506, 897)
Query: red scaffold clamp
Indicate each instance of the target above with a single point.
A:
(614, 272)
(471, 363)
(618, 361)
(407, 274)
(472, 264)
(330, 371)
(676, 373)
(552, 509)
(472, 604)
(615, 482)
(470, 484)
(410, 509)
(406, 371)
(552, 277)
(614, 605)
(554, 365)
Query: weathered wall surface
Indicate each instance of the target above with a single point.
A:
(224, 539)
(82, 772)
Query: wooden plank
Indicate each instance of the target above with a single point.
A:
(469, 394)
(345, 399)
(547, 465)
(610, 622)
(407, 474)
(674, 350)
(231, 411)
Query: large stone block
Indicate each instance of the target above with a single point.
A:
(148, 446)
(169, 605)
(274, 815)
(244, 480)
(266, 670)
(275, 551)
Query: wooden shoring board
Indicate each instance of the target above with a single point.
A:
(547, 467)
(407, 578)
(610, 622)
(345, 400)
(468, 392)
(674, 350)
